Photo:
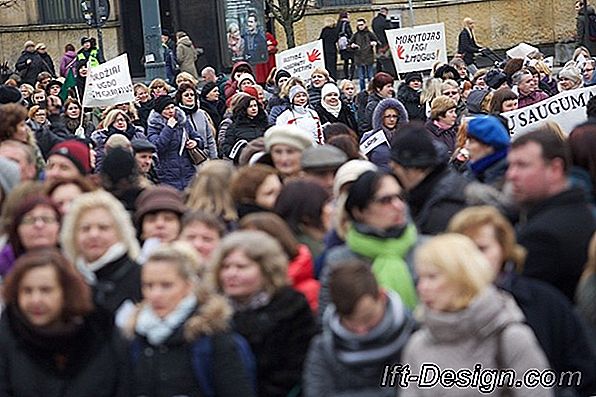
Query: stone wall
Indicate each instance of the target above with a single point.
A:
(21, 23)
(500, 24)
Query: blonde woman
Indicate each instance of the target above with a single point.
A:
(466, 321)
(181, 340)
(251, 269)
(98, 237)
(210, 191)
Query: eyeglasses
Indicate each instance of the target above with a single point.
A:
(31, 220)
(388, 199)
(451, 93)
(188, 94)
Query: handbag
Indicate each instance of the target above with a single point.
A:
(197, 156)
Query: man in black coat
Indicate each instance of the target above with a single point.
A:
(380, 24)
(30, 64)
(556, 223)
(434, 192)
(466, 44)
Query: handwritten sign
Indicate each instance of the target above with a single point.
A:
(109, 84)
(302, 60)
(417, 48)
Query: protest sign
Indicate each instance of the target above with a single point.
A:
(302, 60)
(376, 139)
(568, 109)
(109, 84)
(417, 48)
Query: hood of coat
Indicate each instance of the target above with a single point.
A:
(488, 313)
(70, 55)
(156, 119)
(212, 315)
(241, 64)
(300, 267)
(389, 103)
(185, 41)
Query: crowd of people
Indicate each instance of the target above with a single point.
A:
(219, 237)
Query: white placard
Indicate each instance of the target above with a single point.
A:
(417, 48)
(302, 60)
(109, 83)
(567, 108)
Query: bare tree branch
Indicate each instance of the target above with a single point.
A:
(288, 12)
(11, 3)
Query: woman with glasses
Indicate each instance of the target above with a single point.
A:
(34, 225)
(199, 122)
(379, 232)
(115, 122)
(389, 115)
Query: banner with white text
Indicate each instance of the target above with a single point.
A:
(302, 60)
(417, 48)
(109, 84)
(568, 109)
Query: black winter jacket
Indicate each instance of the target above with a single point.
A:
(556, 235)
(87, 360)
(411, 100)
(345, 116)
(117, 282)
(279, 334)
(244, 128)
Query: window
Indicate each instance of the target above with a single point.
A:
(339, 3)
(60, 11)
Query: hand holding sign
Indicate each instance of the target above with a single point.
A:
(400, 51)
(314, 55)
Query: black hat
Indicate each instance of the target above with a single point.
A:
(495, 78)
(85, 39)
(165, 32)
(163, 101)
(414, 148)
(281, 73)
(9, 94)
(143, 145)
(118, 165)
(413, 76)
(442, 70)
(207, 88)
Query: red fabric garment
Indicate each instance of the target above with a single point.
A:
(263, 69)
(301, 272)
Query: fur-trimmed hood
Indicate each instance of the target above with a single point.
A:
(389, 103)
(211, 316)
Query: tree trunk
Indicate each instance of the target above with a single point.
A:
(289, 30)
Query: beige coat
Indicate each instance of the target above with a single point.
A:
(470, 336)
(186, 55)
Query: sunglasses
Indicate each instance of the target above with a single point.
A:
(188, 94)
(451, 93)
(388, 199)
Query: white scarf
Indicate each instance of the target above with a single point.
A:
(88, 270)
(334, 110)
(158, 329)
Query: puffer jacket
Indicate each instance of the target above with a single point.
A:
(99, 137)
(186, 55)
(244, 128)
(380, 154)
(175, 169)
(490, 332)
(301, 272)
(411, 100)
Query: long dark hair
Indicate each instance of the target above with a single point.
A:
(301, 203)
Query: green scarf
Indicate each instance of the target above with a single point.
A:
(388, 255)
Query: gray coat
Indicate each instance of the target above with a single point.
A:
(491, 326)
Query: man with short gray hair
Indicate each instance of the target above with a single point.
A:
(527, 89)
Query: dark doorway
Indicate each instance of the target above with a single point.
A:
(199, 19)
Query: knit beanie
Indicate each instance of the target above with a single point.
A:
(207, 88)
(295, 90)
(75, 151)
(572, 73)
(246, 76)
(440, 105)
(119, 164)
(159, 198)
(252, 91)
(329, 88)
(349, 172)
(290, 135)
(411, 76)
(414, 148)
(495, 78)
(162, 102)
(281, 73)
(489, 130)
(10, 175)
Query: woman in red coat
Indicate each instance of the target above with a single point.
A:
(263, 69)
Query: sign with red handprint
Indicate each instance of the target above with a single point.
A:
(417, 48)
(302, 60)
